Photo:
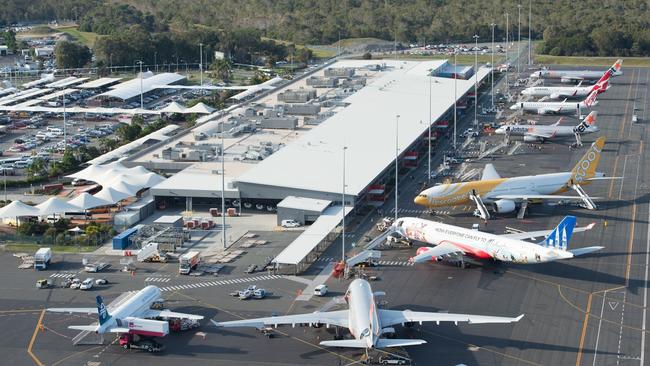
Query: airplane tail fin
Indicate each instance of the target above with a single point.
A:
(616, 68)
(589, 121)
(561, 235)
(591, 98)
(586, 167)
(102, 311)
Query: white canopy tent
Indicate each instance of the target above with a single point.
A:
(112, 195)
(174, 107)
(86, 201)
(55, 205)
(18, 209)
(201, 108)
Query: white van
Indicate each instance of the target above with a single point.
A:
(320, 290)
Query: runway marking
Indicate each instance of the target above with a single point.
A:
(620, 332)
(157, 279)
(645, 290)
(31, 342)
(584, 331)
(219, 283)
(611, 184)
(600, 322)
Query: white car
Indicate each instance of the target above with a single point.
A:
(290, 223)
(87, 284)
(76, 283)
(320, 290)
(101, 281)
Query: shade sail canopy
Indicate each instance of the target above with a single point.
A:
(111, 195)
(86, 201)
(17, 209)
(201, 108)
(55, 205)
(174, 107)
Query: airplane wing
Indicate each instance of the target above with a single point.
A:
(571, 78)
(489, 172)
(543, 233)
(392, 317)
(524, 197)
(73, 310)
(547, 110)
(543, 99)
(339, 318)
(437, 251)
(170, 314)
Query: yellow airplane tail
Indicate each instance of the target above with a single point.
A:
(586, 167)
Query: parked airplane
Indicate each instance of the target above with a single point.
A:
(505, 193)
(365, 321)
(130, 313)
(542, 133)
(449, 240)
(571, 76)
(559, 92)
(545, 107)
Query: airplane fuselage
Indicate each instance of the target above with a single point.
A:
(540, 130)
(452, 194)
(550, 107)
(364, 321)
(478, 244)
(562, 92)
(134, 307)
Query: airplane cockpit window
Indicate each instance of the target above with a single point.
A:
(399, 223)
(365, 333)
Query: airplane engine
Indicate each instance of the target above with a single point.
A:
(504, 206)
(424, 250)
(531, 138)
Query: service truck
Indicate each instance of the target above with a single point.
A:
(95, 267)
(188, 261)
(42, 258)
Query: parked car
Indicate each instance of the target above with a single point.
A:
(87, 284)
(290, 223)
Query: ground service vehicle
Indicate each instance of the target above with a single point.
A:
(188, 261)
(42, 258)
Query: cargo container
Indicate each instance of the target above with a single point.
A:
(122, 240)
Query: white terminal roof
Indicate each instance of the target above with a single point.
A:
(98, 83)
(195, 184)
(131, 88)
(66, 82)
(367, 127)
(162, 134)
(295, 252)
(303, 203)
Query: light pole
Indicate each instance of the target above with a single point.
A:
(455, 95)
(343, 213)
(155, 60)
(492, 71)
(396, 161)
(201, 61)
(476, 37)
(65, 136)
(507, 63)
(518, 36)
(530, 11)
(429, 123)
(141, 88)
(223, 191)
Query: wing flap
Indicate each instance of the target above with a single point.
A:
(392, 317)
(543, 233)
(73, 310)
(523, 197)
(339, 318)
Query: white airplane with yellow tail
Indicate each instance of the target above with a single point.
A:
(504, 194)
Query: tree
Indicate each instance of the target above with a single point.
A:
(10, 40)
(107, 144)
(221, 69)
(71, 55)
(37, 167)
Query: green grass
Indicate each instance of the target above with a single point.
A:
(591, 61)
(348, 42)
(87, 38)
(40, 30)
(29, 248)
(317, 51)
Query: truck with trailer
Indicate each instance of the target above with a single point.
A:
(188, 262)
(151, 253)
(42, 258)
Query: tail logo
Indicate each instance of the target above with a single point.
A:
(561, 236)
(101, 310)
(586, 167)
(591, 99)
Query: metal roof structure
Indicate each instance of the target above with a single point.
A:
(66, 82)
(25, 94)
(160, 135)
(98, 83)
(57, 94)
(131, 88)
(303, 203)
(366, 127)
(45, 78)
(194, 184)
(296, 252)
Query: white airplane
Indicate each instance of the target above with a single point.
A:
(557, 107)
(559, 92)
(505, 193)
(570, 76)
(129, 313)
(365, 321)
(542, 133)
(449, 240)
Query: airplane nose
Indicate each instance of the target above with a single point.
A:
(514, 107)
(525, 92)
(421, 200)
(499, 131)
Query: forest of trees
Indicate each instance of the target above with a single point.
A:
(586, 27)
